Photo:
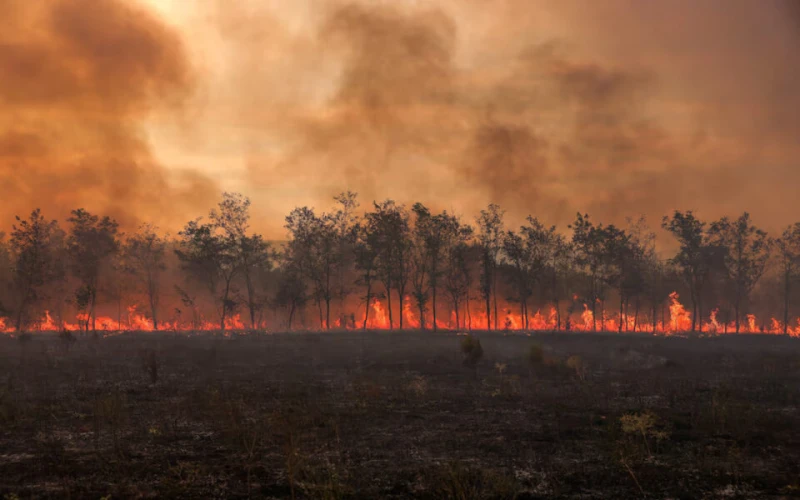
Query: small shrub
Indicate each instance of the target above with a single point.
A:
(472, 350)
(578, 365)
(643, 424)
(418, 386)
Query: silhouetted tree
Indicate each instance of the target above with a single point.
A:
(695, 256)
(788, 246)
(145, 258)
(366, 260)
(212, 259)
(91, 243)
(34, 243)
(490, 239)
(746, 250)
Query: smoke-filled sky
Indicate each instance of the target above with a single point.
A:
(149, 109)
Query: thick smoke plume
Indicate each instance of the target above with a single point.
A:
(549, 108)
(79, 77)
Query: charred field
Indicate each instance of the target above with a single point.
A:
(398, 415)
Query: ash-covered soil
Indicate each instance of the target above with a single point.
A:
(399, 415)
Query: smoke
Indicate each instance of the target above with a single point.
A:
(617, 108)
(79, 78)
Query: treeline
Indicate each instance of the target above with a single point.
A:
(437, 268)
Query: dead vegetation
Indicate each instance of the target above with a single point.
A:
(382, 415)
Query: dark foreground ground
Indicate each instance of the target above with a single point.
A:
(397, 415)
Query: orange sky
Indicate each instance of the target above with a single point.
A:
(148, 110)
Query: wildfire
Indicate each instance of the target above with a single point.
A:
(680, 321)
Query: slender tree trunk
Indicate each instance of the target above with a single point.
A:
(401, 300)
(469, 314)
(786, 290)
(621, 315)
(494, 293)
(369, 299)
(636, 315)
(433, 306)
(291, 314)
(736, 311)
(389, 305)
(94, 316)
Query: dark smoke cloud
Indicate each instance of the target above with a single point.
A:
(78, 79)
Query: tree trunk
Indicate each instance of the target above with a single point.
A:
(469, 314)
(389, 305)
(369, 299)
(402, 301)
(494, 293)
(786, 290)
(433, 306)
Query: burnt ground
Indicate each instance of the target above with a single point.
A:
(397, 415)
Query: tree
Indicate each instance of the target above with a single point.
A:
(746, 251)
(593, 246)
(458, 274)
(788, 246)
(232, 218)
(366, 260)
(524, 269)
(695, 256)
(212, 259)
(490, 239)
(552, 258)
(388, 223)
(145, 253)
(34, 245)
(91, 243)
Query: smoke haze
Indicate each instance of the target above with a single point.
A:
(147, 110)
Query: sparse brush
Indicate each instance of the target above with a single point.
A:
(466, 483)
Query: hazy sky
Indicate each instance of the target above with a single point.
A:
(149, 109)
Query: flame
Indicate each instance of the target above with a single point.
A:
(588, 318)
(680, 321)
